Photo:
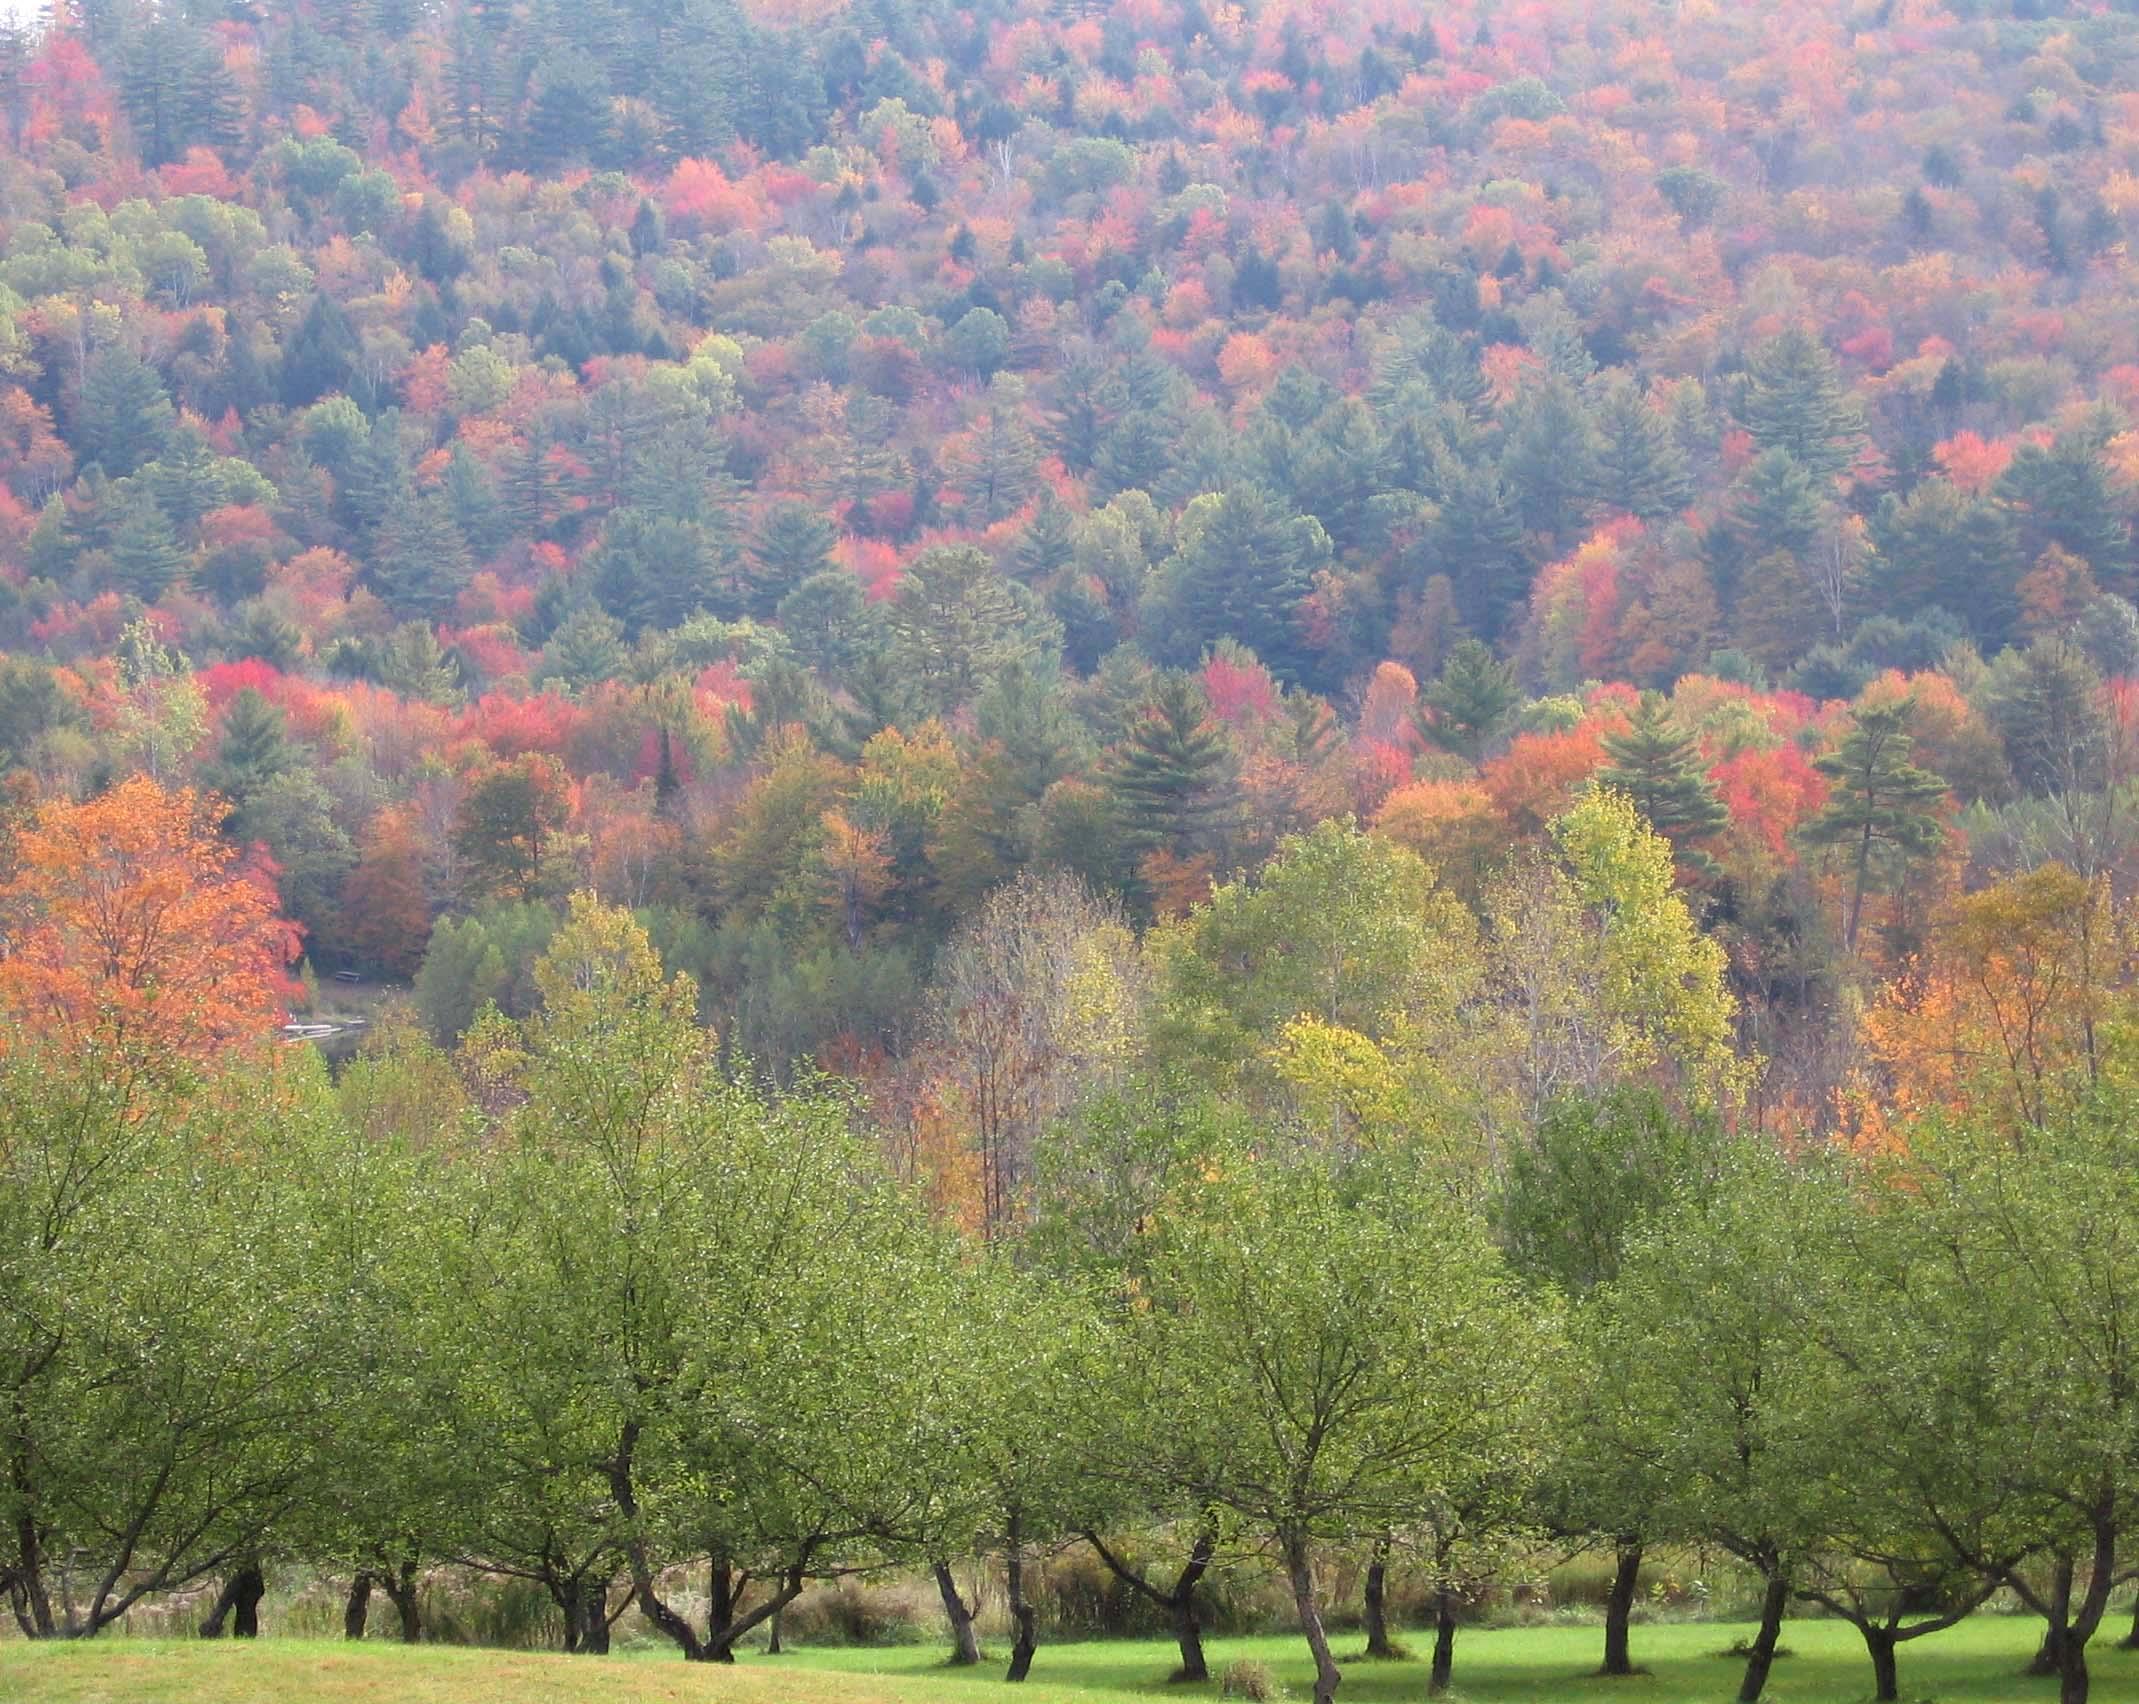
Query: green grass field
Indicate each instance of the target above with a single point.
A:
(1974, 1664)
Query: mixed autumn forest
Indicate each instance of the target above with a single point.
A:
(1246, 784)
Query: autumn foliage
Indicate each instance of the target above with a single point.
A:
(132, 927)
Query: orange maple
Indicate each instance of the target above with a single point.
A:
(130, 926)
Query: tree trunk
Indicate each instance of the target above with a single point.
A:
(2072, 1673)
(1188, 1634)
(772, 1639)
(1299, 1570)
(401, 1587)
(1444, 1642)
(1179, 1604)
(27, 1590)
(593, 1612)
(2130, 1641)
(1619, 1609)
(2050, 1655)
(722, 1593)
(1762, 1657)
(1022, 1615)
(357, 1610)
(1374, 1610)
(239, 1604)
(1886, 1677)
(965, 1642)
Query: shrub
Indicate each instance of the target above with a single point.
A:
(1250, 1680)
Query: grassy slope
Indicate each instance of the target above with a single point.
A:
(1977, 1662)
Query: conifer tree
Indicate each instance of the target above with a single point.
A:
(1795, 401)
(124, 418)
(1048, 543)
(1171, 779)
(255, 748)
(421, 562)
(1881, 806)
(1470, 702)
(145, 556)
(1657, 765)
(1640, 469)
(793, 542)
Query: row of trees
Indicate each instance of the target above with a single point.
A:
(1259, 1270)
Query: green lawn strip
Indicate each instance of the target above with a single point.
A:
(1977, 1663)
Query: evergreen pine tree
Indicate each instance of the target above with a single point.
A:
(1880, 806)
(1048, 544)
(1795, 401)
(1470, 702)
(586, 650)
(793, 542)
(1549, 462)
(420, 562)
(124, 418)
(1640, 469)
(1171, 779)
(1242, 569)
(255, 748)
(1658, 765)
(145, 555)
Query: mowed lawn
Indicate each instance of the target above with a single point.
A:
(1976, 1663)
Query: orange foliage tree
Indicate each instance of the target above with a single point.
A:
(131, 926)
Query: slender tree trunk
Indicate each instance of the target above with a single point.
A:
(566, 1598)
(772, 1639)
(357, 1611)
(1188, 1634)
(965, 1642)
(1856, 897)
(401, 1587)
(721, 1595)
(1179, 1604)
(1444, 1642)
(2050, 1655)
(2130, 1641)
(1886, 1676)
(1300, 1571)
(32, 1600)
(1374, 1609)
(1619, 1609)
(1762, 1657)
(1022, 1615)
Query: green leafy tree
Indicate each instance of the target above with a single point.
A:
(507, 821)
(153, 1442)
(1595, 1173)
(1339, 1351)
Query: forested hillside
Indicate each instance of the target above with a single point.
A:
(791, 472)
(1247, 784)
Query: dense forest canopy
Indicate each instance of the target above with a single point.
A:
(1489, 651)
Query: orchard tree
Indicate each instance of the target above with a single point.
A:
(1342, 1349)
